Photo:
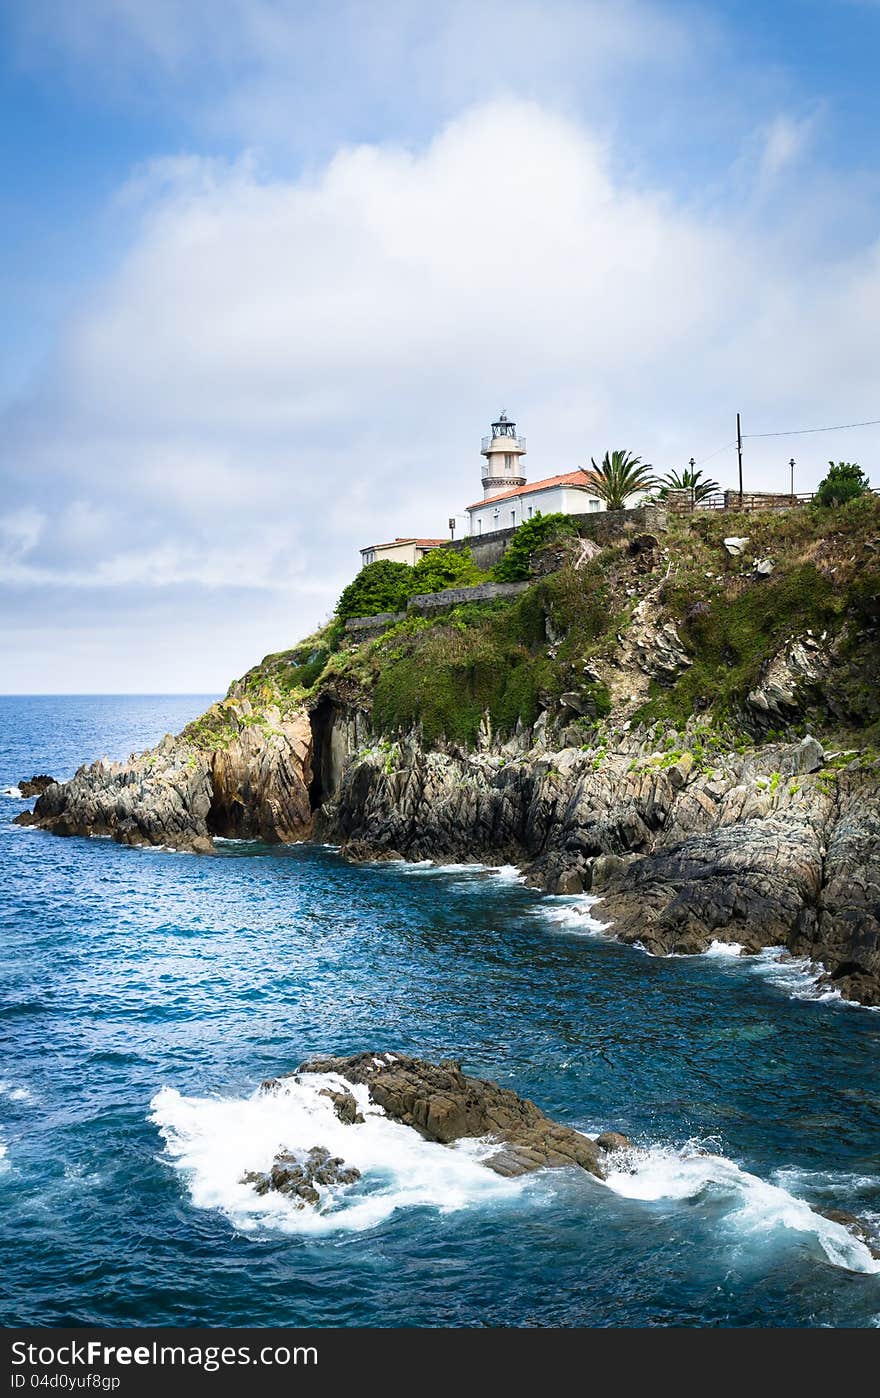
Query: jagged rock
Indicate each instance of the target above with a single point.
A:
(680, 771)
(444, 1105)
(604, 869)
(808, 756)
(729, 855)
(660, 654)
(345, 1106)
(613, 1140)
(254, 784)
(260, 1183)
(298, 1177)
(764, 567)
(792, 672)
(569, 881)
(721, 886)
(35, 786)
(574, 700)
(736, 546)
(587, 551)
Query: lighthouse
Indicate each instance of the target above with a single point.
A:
(503, 451)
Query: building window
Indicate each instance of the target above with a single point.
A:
(531, 507)
(513, 519)
(594, 504)
(479, 526)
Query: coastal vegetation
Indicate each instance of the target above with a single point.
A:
(618, 477)
(845, 481)
(701, 487)
(581, 644)
(385, 586)
(531, 537)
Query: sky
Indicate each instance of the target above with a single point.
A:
(269, 268)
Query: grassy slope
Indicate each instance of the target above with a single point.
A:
(513, 659)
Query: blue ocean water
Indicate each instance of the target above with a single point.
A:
(144, 995)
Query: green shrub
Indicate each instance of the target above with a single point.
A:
(379, 587)
(845, 481)
(531, 536)
(443, 568)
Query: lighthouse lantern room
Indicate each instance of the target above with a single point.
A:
(503, 451)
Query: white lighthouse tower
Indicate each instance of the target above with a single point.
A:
(502, 450)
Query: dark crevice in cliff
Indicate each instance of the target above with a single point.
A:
(227, 817)
(326, 755)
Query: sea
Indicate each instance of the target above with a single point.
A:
(145, 994)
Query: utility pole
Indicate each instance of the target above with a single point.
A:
(739, 454)
(791, 464)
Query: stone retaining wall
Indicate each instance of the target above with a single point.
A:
(364, 626)
(602, 527)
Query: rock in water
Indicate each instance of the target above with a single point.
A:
(299, 1177)
(613, 1140)
(444, 1105)
(35, 786)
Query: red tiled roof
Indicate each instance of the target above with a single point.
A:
(419, 543)
(577, 478)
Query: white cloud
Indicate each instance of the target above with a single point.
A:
(783, 143)
(20, 532)
(281, 369)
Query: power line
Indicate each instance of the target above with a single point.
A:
(808, 431)
(703, 459)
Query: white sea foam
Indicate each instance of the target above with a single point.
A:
(798, 976)
(752, 1210)
(427, 866)
(724, 949)
(573, 913)
(213, 1141)
(13, 792)
(14, 1094)
(509, 873)
(828, 1186)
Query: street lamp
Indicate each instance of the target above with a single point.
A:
(791, 464)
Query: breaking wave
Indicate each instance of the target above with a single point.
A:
(799, 977)
(213, 1141)
(750, 1210)
(572, 912)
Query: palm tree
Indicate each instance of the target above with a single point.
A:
(619, 476)
(700, 486)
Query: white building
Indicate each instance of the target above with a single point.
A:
(400, 551)
(508, 501)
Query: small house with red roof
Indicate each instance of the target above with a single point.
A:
(400, 551)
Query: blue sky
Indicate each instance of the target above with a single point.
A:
(269, 268)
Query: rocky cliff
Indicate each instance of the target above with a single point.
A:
(238, 773)
(634, 724)
(779, 845)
